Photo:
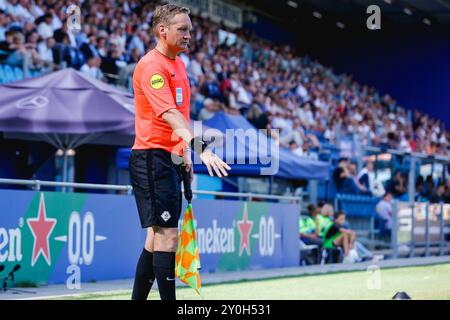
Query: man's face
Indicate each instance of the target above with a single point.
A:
(340, 220)
(353, 168)
(91, 62)
(177, 33)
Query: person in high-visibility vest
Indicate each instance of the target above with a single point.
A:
(325, 218)
(308, 225)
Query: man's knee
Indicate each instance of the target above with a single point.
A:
(149, 241)
(166, 239)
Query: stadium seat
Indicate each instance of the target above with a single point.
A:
(18, 74)
(8, 74)
(361, 213)
(357, 205)
(35, 73)
(326, 190)
(2, 74)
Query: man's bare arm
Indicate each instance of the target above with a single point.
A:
(181, 128)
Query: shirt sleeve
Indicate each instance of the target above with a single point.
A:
(156, 87)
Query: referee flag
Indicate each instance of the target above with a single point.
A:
(187, 263)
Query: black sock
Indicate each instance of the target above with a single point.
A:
(164, 267)
(144, 278)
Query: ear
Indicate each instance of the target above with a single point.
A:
(162, 31)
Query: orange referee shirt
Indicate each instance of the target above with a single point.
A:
(159, 84)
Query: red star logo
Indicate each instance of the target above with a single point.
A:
(245, 227)
(41, 228)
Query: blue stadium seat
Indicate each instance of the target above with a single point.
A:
(35, 73)
(2, 74)
(357, 205)
(323, 193)
(18, 74)
(8, 74)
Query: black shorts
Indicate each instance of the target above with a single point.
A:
(156, 182)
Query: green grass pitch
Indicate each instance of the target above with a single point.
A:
(424, 282)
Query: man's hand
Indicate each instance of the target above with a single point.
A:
(213, 161)
(182, 129)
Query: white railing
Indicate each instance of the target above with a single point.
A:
(37, 184)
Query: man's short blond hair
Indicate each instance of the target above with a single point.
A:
(164, 14)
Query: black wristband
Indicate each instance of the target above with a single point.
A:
(198, 145)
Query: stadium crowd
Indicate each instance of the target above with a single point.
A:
(269, 84)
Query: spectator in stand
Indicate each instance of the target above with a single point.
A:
(211, 88)
(112, 63)
(61, 51)
(126, 72)
(61, 33)
(420, 189)
(296, 149)
(447, 192)
(89, 49)
(344, 180)
(352, 169)
(45, 28)
(295, 134)
(18, 12)
(384, 211)
(18, 51)
(255, 114)
(102, 43)
(35, 62)
(92, 68)
(210, 107)
(138, 42)
(439, 194)
(45, 51)
(366, 177)
(429, 187)
(4, 22)
(399, 185)
(6, 46)
(241, 71)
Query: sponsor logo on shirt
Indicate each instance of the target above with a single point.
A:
(157, 81)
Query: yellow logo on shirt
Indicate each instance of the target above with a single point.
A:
(157, 81)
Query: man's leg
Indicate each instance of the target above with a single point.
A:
(342, 241)
(352, 239)
(145, 276)
(165, 246)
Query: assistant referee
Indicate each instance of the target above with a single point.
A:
(162, 148)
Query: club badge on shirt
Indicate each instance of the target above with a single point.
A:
(179, 96)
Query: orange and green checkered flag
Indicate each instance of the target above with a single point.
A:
(187, 259)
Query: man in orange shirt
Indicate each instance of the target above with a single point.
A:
(162, 149)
